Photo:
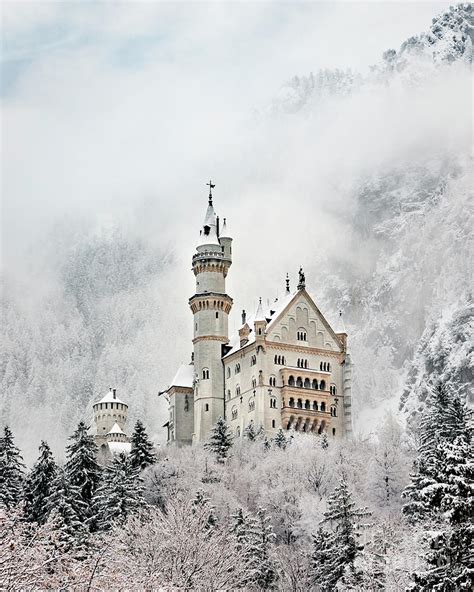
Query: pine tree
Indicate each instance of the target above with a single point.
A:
(220, 440)
(250, 432)
(119, 495)
(324, 442)
(335, 551)
(38, 485)
(81, 467)
(280, 440)
(202, 501)
(142, 454)
(64, 510)
(11, 471)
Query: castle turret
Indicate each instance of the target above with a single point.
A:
(210, 306)
(109, 413)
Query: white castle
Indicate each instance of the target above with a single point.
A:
(285, 367)
(110, 417)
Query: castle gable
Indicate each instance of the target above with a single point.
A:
(301, 322)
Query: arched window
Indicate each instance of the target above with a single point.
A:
(306, 363)
(291, 380)
(301, 335)
(273, 403)
(299, 382)
(237, 368)
(254, 383)
(234, 412)
(333, 431)
(206, 407)
(315, 405)
(307, 383)
(237, 391)
(275, 359)
(217, 315)
(322, 385)
(273, 423)
(253, 360)
(228, 394)
(299, 404)
(237, 432)
(283, 360)
(291, 402)
(228, 371)
(307, 404)
(320, 365)
(251, 404)
(186, 403)
(323, 406)
(205, 373)
(315, 384)
(272, 381)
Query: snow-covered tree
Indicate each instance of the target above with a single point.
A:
(250, 432)
(280, 440)
(142, 453)
(11, 471)
(65, 510)
(324, 442)
(220, 440)
(335, 551)
(81, 466)
(119, 495)
(38, 485)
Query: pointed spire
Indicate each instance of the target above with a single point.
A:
(211, 187)
(287, 283)
(340, 326)
(224, 232)
(259, 316)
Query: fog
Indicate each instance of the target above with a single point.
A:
(115, 116)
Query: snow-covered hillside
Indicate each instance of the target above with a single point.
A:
(91, 308)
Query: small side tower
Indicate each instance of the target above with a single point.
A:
(110, 417)
(211, 307)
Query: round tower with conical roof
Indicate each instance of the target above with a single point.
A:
(110, 410)
(210, 306)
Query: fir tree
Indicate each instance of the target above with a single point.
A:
(202, 501)
(324, 442)
(142, 454)
(119, 495)
(335, 551)
(220, 440)
(280, 440)
(250, 432)
(65, 509)
(11, 471)
(81, 467)
(38, 485)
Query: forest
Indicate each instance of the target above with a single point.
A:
(298, 512)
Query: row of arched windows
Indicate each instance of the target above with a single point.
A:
(273, 403)
(302, 363)
(307, 405)
(280, 360)
(301, 335)
(332, 389)
(219, 304)
(306, 383)
(273, 381)
(325, 366)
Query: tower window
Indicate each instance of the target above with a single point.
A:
(206, 408)
(301, 335)
(253, 360)
(333, 431)
(273, 423)
(217, 315)
(228, 372)
(205, 374)
(254, 383)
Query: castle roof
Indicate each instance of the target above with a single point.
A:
(110, 397)
(116, 429)
(259, 315)
(184, 377)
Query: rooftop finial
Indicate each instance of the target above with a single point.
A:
(211, 187)
(287, 284)
(302, 279)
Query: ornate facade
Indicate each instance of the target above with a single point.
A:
(285, 367)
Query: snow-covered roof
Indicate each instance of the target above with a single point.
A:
(210, 218)
(259, 316)
(116, 429)
(110, 398)
(270, 314)
(118, 447)
(184, 376)
(224, 232)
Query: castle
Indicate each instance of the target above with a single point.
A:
(285, 367)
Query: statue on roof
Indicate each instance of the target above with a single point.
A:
(302, 279)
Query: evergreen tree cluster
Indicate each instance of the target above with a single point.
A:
(82, 496)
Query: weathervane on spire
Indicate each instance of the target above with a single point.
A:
(211, 187)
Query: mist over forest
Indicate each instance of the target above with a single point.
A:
(364, 178)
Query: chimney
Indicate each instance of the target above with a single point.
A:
(244, 317)
(114, 393)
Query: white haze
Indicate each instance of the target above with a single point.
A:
(105, 128)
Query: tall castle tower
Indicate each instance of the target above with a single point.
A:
(210, 306)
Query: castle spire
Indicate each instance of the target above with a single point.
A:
(211, 187)
(287, 283)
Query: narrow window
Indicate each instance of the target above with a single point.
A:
(217, 315)
(333, 431)
(206, 408)
(273, 423)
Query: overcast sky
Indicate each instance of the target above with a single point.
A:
(108, 106)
